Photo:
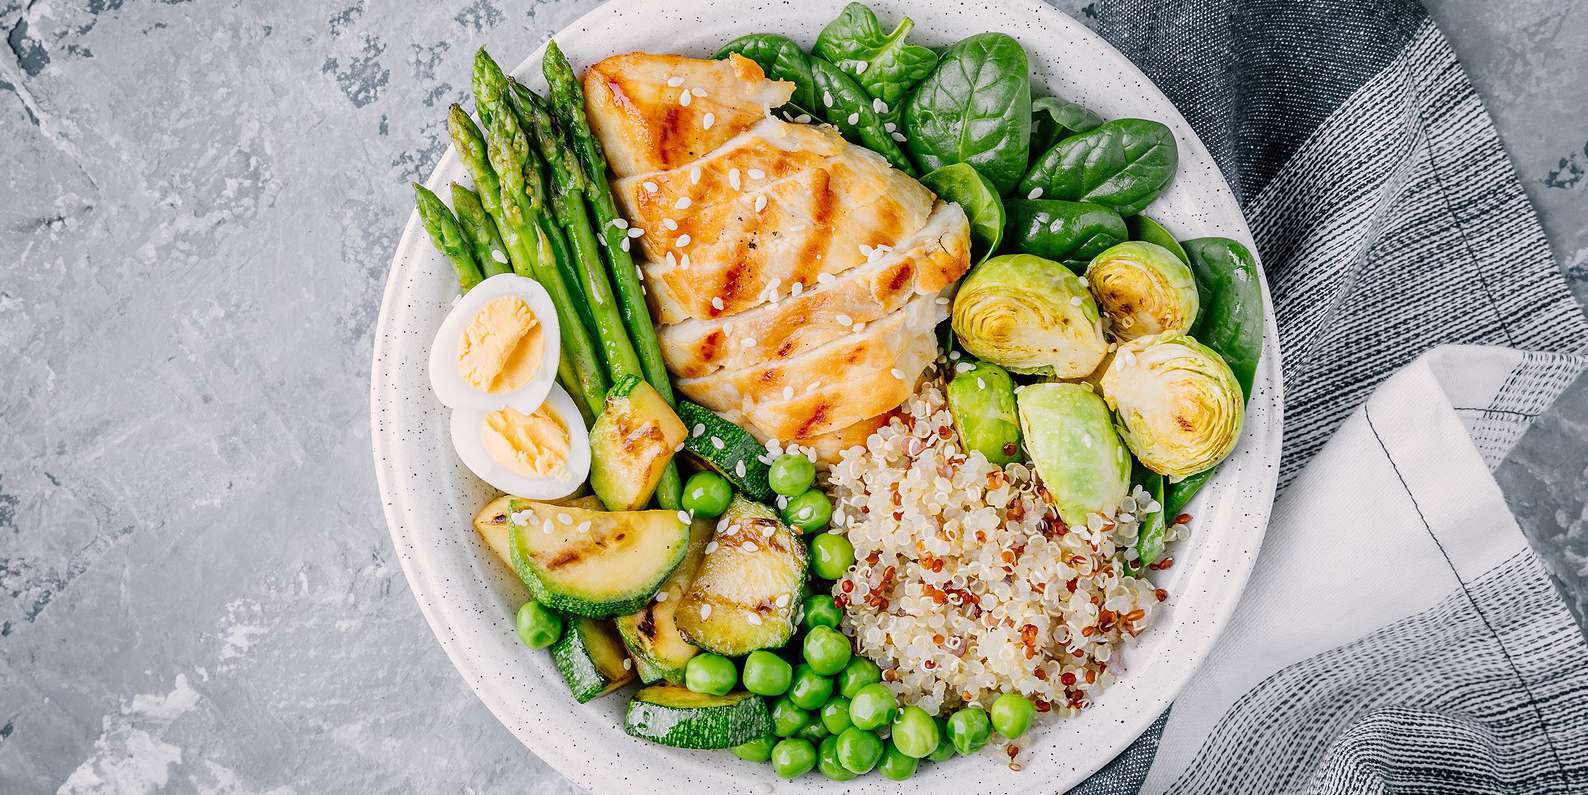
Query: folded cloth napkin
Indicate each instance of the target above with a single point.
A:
(1397, 634)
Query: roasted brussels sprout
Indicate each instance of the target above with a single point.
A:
(1030, 315)
(982, 400)
(1179, 405)
(1144, 289)
(1071, 439)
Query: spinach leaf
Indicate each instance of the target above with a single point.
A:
(1124, 164)
(1062, 230)
(1053, 119)
(781, 59)
(884, 64)
(1145, 229)
(841, 101)
(1230, 322)
(975, 108)
(965, 186)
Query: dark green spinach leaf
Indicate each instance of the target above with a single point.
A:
(841, 101)
(965, 186)
(1145, 229)
(975, 108)
(1230, 322)
(781, 59)
(1053, 119)
(884, 64)
(1063, 230)
(1124, 164)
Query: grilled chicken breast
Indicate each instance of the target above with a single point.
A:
(797, 278)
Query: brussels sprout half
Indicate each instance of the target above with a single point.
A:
(1071, 439)
(1179, 405)
(982, 400)
(1144, 289)
(1030, 315)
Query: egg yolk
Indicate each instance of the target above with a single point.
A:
(531, 445)
(501, 348)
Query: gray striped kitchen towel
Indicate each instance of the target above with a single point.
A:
(1398, 634)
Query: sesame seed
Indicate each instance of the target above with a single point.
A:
(636, 232)
(756, 173)
(827, 99)
(738, 468)
(683, 240)
(942, 300)
(760, 203)
(733, 179)
(879, 106)
(825, 278)
(716, 303)
(889, 126)
(621, 223)
(963, 367)
(625, 244)
(700, 428)
(669, 224)
(1036, 193)
(749, 546)
(661, 596)
(683, 516)
(859, 327)
(854, 118)
(627, 663)
(844, 320)
(675, 81)
(748, 342)
(672, 261)
(1058, 223)
(683, 262)
(565, 518)
(705, 611)
(583, 527)
(898, 136)
(897, 374)
(684, 99)
(650, 187)
(980, 383)
(788, 393)
(707, 121)
(699, 92)
(1075, 301)
(782, 600)
(694, 178)
(711, 547)
(803, 118)
(1084, 282)
(752, 618)
(795, 290)
(861, 66)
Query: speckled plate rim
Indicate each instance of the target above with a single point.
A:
(467, 599)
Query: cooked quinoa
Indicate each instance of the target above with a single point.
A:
(966, 583)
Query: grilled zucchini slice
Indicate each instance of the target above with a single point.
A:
(594, 563)
(727, 448)
(682, 718)
(491, 523)
(591, 659)
(748, 588)
(631, 444)
(659, 650)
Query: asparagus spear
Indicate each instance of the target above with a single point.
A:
(447, 236)
(567, 106)
(527, 242)
(479, 229)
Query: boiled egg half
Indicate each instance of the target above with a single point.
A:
(539, 452)
(497, 347)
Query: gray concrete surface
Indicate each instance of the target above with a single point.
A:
(197, 593)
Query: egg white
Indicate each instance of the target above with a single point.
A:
(451, 387)
(466, 425)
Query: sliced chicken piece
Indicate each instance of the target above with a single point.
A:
(830, 446)
(925, 263)
(780, 205)
(638, 107)
(881, 354)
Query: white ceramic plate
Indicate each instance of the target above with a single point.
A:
(469, 599)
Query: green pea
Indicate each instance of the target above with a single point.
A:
(827, 761)
(707, 494)
(712, 674)
(1011, 715)
(538, 625)
(831, 555)
(791, 474)
(857, 674)
(809, 689)
(915, 733)
(788, 718)
(757, 750)
(872, 706)
(859, 750)
(766, 674)
(822, 611)
(827, 650)
(945, 747)
(896, 764)
(969, 729)
(793, 757)
(814, 731)
(835, 714)
(810, 511)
